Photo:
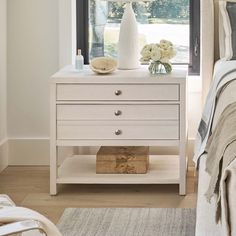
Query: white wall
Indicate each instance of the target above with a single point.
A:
(3, 70)
(32, 58)
(3, 78)
(194, 105)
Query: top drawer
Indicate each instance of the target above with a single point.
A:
(159, 92)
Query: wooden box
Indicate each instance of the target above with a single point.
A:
(122, 160)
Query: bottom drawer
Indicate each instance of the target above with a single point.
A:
(121, 130)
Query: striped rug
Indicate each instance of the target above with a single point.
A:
(127, 222)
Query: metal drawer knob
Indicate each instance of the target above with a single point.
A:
(118, 132)
(118, 92)
(118, 113)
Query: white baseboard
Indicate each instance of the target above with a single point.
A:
(3, 154)
(36, 151)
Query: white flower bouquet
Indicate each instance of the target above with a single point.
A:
(158, 55)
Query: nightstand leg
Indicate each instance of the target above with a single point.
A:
(53, 146)
(182, 168)
(53, 170)
(183, 140)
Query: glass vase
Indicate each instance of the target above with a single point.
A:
(158, 68)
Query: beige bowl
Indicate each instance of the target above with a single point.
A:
(103, 65)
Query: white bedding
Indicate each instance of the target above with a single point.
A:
(205, 225)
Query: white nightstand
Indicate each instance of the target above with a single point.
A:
(126, 108)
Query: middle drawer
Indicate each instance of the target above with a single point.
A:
(118, 112)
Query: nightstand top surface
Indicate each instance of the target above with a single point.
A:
(141, 75)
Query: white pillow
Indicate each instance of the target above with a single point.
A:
(221, 36)
(228, 18)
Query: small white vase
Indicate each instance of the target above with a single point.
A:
(128, 45)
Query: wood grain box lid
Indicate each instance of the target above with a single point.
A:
(140, 153)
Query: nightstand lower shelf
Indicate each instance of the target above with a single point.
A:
(82, 170)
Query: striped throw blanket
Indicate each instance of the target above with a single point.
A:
(224, 73)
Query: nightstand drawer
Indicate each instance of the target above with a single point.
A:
(118, 112)
(159, 130)
(95, 92)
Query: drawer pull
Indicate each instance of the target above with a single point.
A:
(118, 92)
(118, 132)
(118, 113)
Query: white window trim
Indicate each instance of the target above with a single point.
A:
(67, 32)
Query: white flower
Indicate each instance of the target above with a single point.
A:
(146, 55)
(156, 54)
(164, 45)
(163, 41)
(168, 52)
(163, 52)
(153, 46)
(146, 48)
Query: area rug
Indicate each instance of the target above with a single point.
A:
(127, 222)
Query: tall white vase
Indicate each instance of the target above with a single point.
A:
(128, 45)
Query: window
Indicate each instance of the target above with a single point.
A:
(98, 24)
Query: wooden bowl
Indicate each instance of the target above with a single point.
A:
(103, 65)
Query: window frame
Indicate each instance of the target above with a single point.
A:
(82, 28)
(195, 42)
(82, 33)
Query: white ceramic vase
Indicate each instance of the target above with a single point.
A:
(128, 45)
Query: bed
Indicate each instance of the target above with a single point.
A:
(212, 41)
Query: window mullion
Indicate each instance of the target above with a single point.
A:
(82, 21)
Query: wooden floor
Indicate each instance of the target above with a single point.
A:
(29, 187)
